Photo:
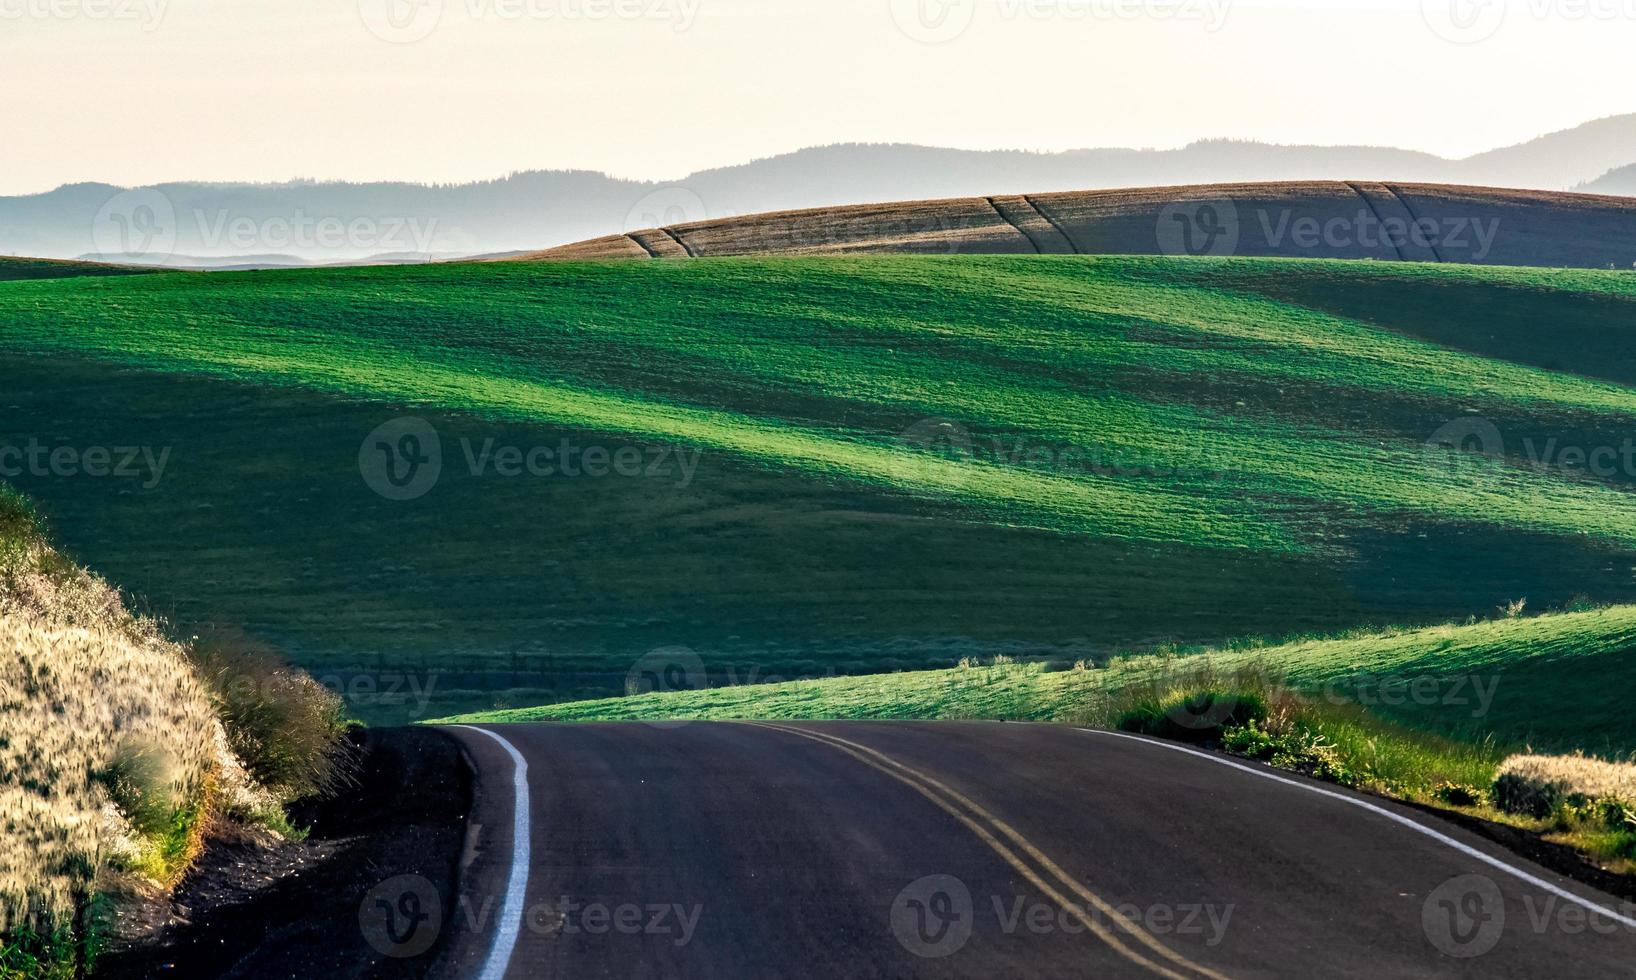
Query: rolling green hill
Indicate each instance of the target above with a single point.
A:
(840, 464)
(1558, 682)
(16, 268)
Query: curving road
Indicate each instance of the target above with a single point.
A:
(975, 850)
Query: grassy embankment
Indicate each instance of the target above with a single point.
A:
(1158, 450)
(121, 748)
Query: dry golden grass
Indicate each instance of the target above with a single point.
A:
(86, 688)
(1535, 784)
(72, 700)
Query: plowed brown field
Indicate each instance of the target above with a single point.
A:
(1318, 219)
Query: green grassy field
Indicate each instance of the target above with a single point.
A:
(887, 463)
(1555, 682)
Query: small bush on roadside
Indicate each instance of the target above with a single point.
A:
(1192, 716)
(1538, 785)
(287, 729)
(1459, 794)
(1295, 747)
(1197, 705)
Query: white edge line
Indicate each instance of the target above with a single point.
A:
(1466, 849)
(511, 911)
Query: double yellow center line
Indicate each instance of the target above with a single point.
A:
(1129, 941)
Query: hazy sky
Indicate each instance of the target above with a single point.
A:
(136, 91)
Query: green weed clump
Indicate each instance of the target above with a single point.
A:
(1298, 747)
(1251, 712)
(1187, 700)
(1193, 716)
(54, 953)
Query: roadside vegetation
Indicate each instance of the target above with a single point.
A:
(120, 748)
(1447, 716)
(1553, 681)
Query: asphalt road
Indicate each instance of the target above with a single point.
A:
(975, 850)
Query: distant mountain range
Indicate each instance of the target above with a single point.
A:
(1621, 182)
(233, 225)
